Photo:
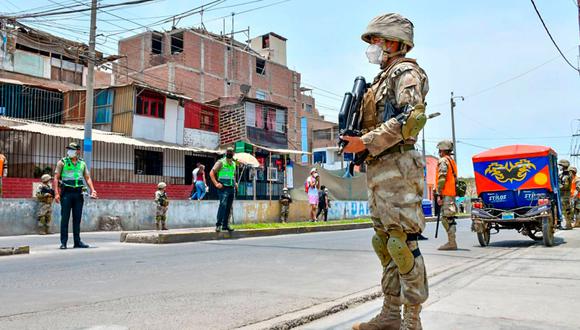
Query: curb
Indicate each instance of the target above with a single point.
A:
(198, 235)
(154, 237)
(309, 314)
(8, 251)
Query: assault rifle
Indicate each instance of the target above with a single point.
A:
(438, 214)
(350, 119)
(46, 190)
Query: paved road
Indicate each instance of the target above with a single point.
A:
(209, 285)
(516, 286)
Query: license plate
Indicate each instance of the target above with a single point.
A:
(507, 216)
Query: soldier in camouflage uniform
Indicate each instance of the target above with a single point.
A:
(575, 196)
(445, 192)
(393, 113)
(565, 183)
(285, 201)
(162, 204)
(45, 195)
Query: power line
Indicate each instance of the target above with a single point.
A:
(53, 12)
(551, 38)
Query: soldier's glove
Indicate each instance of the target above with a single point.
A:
(413, 121)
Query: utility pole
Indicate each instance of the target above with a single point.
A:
(452, 102)
(88, 141)
(425, 192)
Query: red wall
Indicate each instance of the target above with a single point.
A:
(22, 188)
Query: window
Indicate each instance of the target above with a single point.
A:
(322, 134)
(103, 106)
(309, 108)
(157, 43)
(176, 43)
(319, 157)
(272, 174)
(203, 117)
(148, 162)
(151, 104)
(250, 114)
(261, 95)
(280, 120)
(265, 41)
(260, 66)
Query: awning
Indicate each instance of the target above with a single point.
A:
(280, 151)
(98, 135)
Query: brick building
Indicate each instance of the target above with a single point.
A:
(205, 66)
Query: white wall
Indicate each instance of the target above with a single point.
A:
(148, 128)
(200, 139)
(180, 124)
(171, 128)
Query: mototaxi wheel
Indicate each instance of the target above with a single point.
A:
(484, 237)
(548, 231)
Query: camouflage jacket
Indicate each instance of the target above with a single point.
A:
(161, 198)
(44, 193)
(564, 179)
(402, 83)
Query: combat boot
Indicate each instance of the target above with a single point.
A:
(163, 227)
(157, 225)
(451, 245)
(388, 319)
(411, 318)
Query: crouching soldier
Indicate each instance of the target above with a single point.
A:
(45, 195)
(162, 204)
(285, 201)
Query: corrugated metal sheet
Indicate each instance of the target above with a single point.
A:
(123, 108)
(102, 136)
(74, 107)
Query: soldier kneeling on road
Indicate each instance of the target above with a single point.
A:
(45, 195)
(162, 202)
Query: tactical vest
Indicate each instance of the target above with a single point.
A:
(449, 188)
(72, 175)
(565, 182)
(227, 173)
(373, 105)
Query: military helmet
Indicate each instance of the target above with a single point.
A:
(564, 163)
(285, 189)
(45, 178)
(73, 146)
(572, 169)
(445, 145)
(161, 185)
(390, 26)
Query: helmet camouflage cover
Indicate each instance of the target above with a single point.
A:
(564, 163)
(445, 145)
(573, 169)
(45, 178)
(390, 26)
(161, 185)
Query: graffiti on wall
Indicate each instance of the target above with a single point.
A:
(348, 210)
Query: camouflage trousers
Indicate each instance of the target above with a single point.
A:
(44, 216)
(567, 210)
(448, 212)
(284, 210)
(161, 213)
(395, 185)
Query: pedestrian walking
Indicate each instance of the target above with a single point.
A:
(162, 205)
(312, 186)
(3, 170)
(68, 189)
(285, 201)
(323, 203)
(199, 183)
(44, 195)
(223, 176)
(565, 183)
(392, 114)
(446, 179)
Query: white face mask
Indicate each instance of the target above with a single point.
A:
(375, 54)
(71, 153)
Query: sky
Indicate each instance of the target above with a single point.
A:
(495, 53)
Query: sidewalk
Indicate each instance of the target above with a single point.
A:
(522, 288)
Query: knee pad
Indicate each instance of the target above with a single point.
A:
(380, 247)
(400, 252)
